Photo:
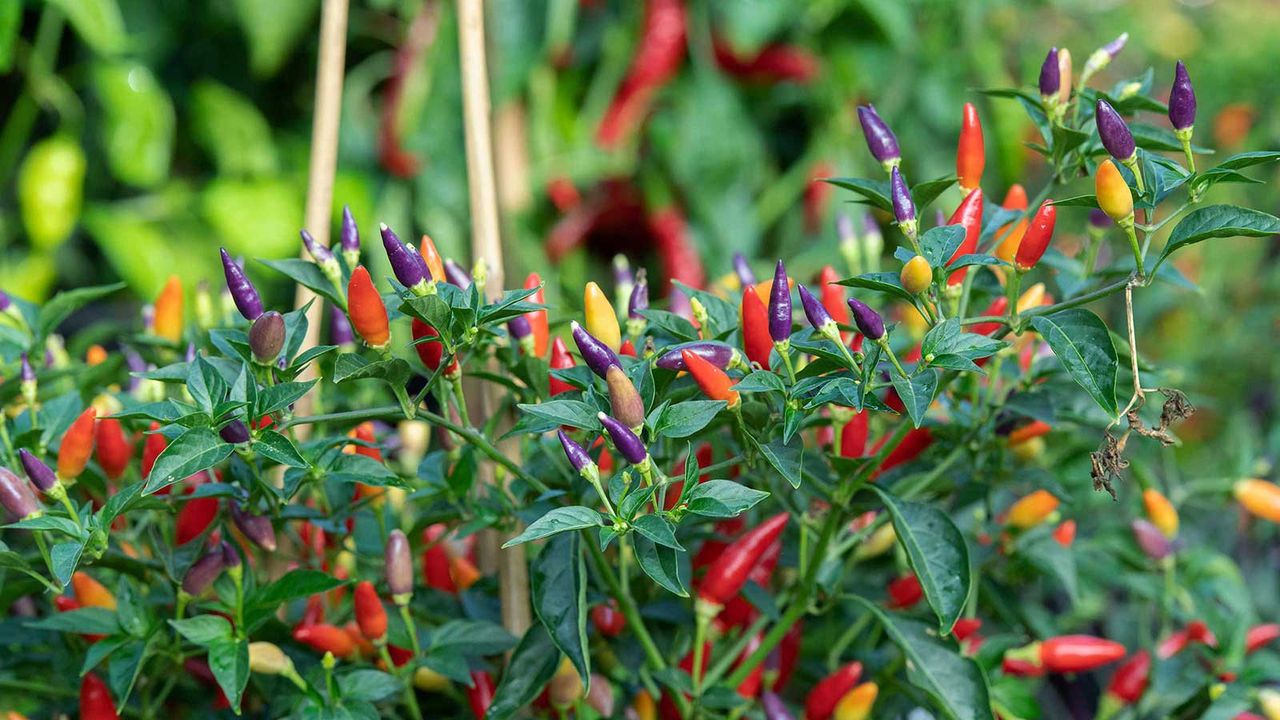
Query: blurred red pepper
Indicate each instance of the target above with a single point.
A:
(537, 318)
(408, 59)
(560, 360)
(90, 592)
(364, 433)
(817, 195)
(755, 329)
(826, 694)
(738, 611)
(435, 559)
(77, 445)
(750, 686)
(853, 436)
(167, 318)
(95, 700)
(364, 306)
(114, 451)
(729, 572)
(431, 352)
(782, 661)
(680, 259)
(1078, 653)
(1259, 636)
(627, 348)
(913, 444)
(323, 638)
(714, 546)
(970, 154)
(657, 58)
(904, 591)
(195, 516)
(480, 694)
(151, 449)
(563, 194)
(776, 62)
(969, 216)
(370, 614)
(833, 295)
(997, 308)
(608, 621)
(1127, 685)
(1065, 533)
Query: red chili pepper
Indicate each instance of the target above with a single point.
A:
(364, 433)
(370, 614)
(1130, 680)
(853, 436)
(713, 547)
(1259, 636)
(1078, 653)
(750, 686)
(1197, 631)
(408, 60)
(323, 638)
(726, 576)
(627, 348)
(364, 306)
(608, 621)
(537, 318)
(833, 295)
(787, 654)
(1018, 667)
(563, 194)
(904, 591)
(817, 195)
(560, 360)
(1036, 238)
(435, 559)
(915, 442)
(824, 696)
(714, 382)
(431, 256)
(194, 518)
(738, 611)
(95, 700)
(998, 307)
(680, 259)
(965, 628)
(431, 352)
(77, 445)
(968, 216)
(657, 59)
(970, 155)
(114, 451)
(1065, 533)
(776, 62)
(480, 694)
(755, 329)
(312, 613)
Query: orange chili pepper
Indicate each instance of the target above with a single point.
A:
(1032, 509)
(432, 257)
(714, 382)
(168, 311)
(368, 314)
(114, 450)
(1259, 497)
(970, 154)
(1010, 237)
(537, 318)
(1114, 196)
(77, 445)
(1160, 511)
(856, 704)
(323, 637)
(95, 355)
(370, 614)
(755, 328)
(1033, 429)
(90, 592)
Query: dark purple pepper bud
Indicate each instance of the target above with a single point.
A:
(455, 274)
(639, 299)
(245, 295)
(234, 432)
(16, 496)
(230, 558)
(1050, 75)
(880, 139)
(190, 355)
(1114, 132)
(780, 305)
(519, 327)
(339, 327)
(42, 476)
(399, 567)
(350, 233)
(813, 310)
(743, 269)
(774, 708)
(1182, 99)
(1099, 219)
(622, 274)
(577, 455)
(136, 364)
(266, 337)
(716, 353)
(407, 265)
(629, 446)
(5, 301)
(904, 210)
(319, 252)
(624, 399)
(868, 321)
(678, 303)
(1154, 543)
(1113, 48)
(255, 527)
(28, 373)
(204, 572)
(598, 356)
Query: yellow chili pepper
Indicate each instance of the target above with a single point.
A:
(1032, 509)
(856, 704)
(1160, 511)
(1114, 196)
(1259, 497)
(601, 320)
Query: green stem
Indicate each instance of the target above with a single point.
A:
(475, 437)
(412, 629)
(461, 398)
(1127, 225)
(884, 343)
(410, 697)
(784, 350)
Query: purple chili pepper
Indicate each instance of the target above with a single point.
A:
(136, 364)
(1113, 48)
(204, 572)
(1114, 132)
(716, 353)
(639, 299)
(399, 567)
(1099, 219)
(1050, 75)
(598, 356)
(5, 301)
(350, 233)
(578, 456)
(868, 321)
(880, 139)
(455, 274)
(319, 252)
(904, 210)
(230, 558)
(774, 708)
(844, 228)
(28, 373)
(340, 332)
(813, 310)
(871, 228)
(624, 399)
(743, 269)
(42, 476)
(255, 527)
(1151, 540)
(1182, 99)
(622, 275)
(266, 337)
(519, 328)
(245, 295)
(629, 446)
(234, 432)
(407, 265)
(780, 305)
(678, 303)
(16, 496)
(190, 355)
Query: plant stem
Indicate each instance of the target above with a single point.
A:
(412, 628)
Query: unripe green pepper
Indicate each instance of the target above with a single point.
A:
(51, 189)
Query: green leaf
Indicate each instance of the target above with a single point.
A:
(658, 529)
(124, 668)
(137, 127)
(885, 282)
(1052, 558)
(1085, 201)
(686, 418)
(875, 191)
(786, 458)
(228, 126)
(922, 194)
(203, 630)
(558, 578)
(760, 381)
(549, 415)
(1217, 221)
(272, 30)
(63, 304)
(97, 22)
(1249, 159)
(53, 523)
(305, 273)
(955, 683)
(83, 621)
(937, 553)
(279, 397)
(10, 26)
(532, 666)
(947, 338)
(916, 392)
(194, 450)
(64, 557)
(278, 448)
(562, 519)
(368, 684)
(938, 244)
(295, 584)
(1083, 345)
(661, 564)
(229, 661)
(474, 638)
(723, 498)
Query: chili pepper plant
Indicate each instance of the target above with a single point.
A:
(773, 499)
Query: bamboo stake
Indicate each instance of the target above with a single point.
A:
(486, 247)
(324, 162)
